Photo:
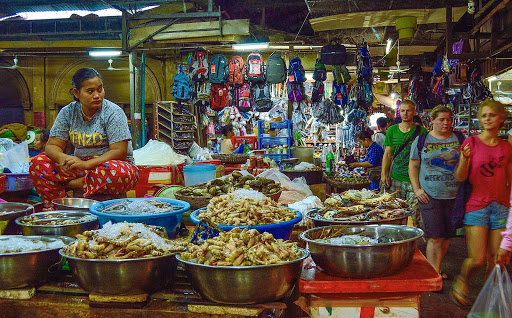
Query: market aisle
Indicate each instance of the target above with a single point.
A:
(433, 305)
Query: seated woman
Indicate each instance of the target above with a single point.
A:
(42, 137)
(373, 155)
(226, 146)
(99, 131)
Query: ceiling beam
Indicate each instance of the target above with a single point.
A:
(486, 18)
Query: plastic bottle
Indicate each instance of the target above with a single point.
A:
(329, 162)
(323, 156)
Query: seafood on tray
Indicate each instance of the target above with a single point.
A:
(245, 207)
(368, 215)
(242, 248)
(122, 241)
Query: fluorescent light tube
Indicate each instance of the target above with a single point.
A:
(104, 53)
(388, 46)
(250, 46)
(492, 78)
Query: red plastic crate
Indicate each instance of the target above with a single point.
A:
(152, 175)
(251, 141)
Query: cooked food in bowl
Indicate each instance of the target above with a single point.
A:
(57, 218)
(22, 244)
(242, 248)
(122, 241)
(246, 207)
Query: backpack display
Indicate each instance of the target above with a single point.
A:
(182, 88)
(198, 68)
(236, 70)
(296, 73)
(341, 74)
(219, 70)
(318, 92)
(244, 98)
(261, 97)
(339, 94)
(320, 73)
(295, 91)
(276, 69)
(255, 68)
(364, 65)
(219, 96)
(333, 54)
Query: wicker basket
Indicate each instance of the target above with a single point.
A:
(343, 186)
(231, 158)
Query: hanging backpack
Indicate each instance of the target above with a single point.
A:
(320, 73)
(364, 64)
(219, 96)
(182, 88)
(340, 74)
(236, 70)
(244, 98)
(296, 73)
(295, 91)
(198, 69)
(255, 68)
(333, 54)
(339, 94)
(318, 92)
(218, 69)
(261, 97)
(276, 69)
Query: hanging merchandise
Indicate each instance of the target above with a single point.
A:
(261, 97)
(181, 87)
(198, 69)
(333, 54)
(219, 96)
(255, 68)
(479, 91)
(236, 70)
(327, 112)
(296, 73)
(276, 69)
(295, 91)
(219, 70)
(339, 94)
(320, 73)
(341, 74)
(318, 92)
(244, 98)
(364, 64)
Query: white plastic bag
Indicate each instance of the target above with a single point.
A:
(495, 298)
(293, 191)
(157, 153)
(16, 158)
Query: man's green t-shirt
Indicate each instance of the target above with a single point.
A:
(394, 139)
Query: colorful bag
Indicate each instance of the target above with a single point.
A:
(219, 69)
(255, 68)
(198, 69)
(320, 73)
(341, 74)
(295, 91)
(276, 69)
(182, 88)
(244, 98)
(219, 96)
(236, 70)
(296, 73)
(318, 92)
(339, 94)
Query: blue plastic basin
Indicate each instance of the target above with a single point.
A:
(170, 220)
(282, 230)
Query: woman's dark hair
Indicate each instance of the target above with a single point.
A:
(82, 75)
(365, 135)
(226, 129)
(382, 122)
(45, 134)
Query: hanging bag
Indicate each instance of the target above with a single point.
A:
(219, 70)
(276, 69)
(236, 67)
(333, 54)
(198, 69)
(495, 298)
(296, 73)
(255, 68)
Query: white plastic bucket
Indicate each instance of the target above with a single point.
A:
(198, 173)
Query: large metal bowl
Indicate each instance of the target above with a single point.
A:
(89, 222)
(122, 277)
(318, 221)
(13, 210)
(32, 268)
(244, 284)
(80, 204)
(364, 261)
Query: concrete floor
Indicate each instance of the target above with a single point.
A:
(439, 305)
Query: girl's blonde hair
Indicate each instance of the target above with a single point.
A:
(496, 106)
(439, 109)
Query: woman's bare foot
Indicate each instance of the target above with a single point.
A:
(76, 183)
